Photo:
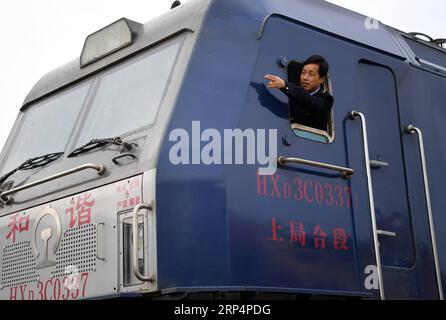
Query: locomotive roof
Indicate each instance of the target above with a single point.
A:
(192, 14)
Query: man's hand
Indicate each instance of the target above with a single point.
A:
(275, 82)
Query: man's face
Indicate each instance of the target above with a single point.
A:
(310, 79)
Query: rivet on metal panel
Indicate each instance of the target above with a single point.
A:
(285, 140)
(283, 62)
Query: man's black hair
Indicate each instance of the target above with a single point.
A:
(321, 62)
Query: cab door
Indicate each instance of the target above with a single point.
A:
(379, 106)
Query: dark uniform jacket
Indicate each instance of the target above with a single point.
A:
(309, 110)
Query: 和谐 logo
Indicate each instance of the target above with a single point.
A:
(51, 233)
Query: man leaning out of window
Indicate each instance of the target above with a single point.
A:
(310, 103)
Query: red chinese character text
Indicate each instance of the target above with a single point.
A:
(298, 233)
(340, 239)
(17, 225)
(81, 214)
(275, 227)
(319, 237)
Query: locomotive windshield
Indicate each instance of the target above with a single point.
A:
(128, 97)
(46, 127)
(120, 101)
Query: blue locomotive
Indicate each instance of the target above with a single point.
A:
(159, 163)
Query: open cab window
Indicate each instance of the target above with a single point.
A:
(294, 70)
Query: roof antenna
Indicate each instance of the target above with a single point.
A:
(175, 4)
(419, 35)
(440, 42)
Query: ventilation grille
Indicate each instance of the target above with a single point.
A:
(77, 251)
(19, 265)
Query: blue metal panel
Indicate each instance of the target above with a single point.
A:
(423, 95)
(192, 198)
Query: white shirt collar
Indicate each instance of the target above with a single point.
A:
(317, 90)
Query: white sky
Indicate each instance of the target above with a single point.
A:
(38, 36)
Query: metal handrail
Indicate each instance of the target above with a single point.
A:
(387, 233)
(125, 155)
(345, 172)
(136, 271)
(411, 130)
(98, 243)
(353, 116)
(98, 168)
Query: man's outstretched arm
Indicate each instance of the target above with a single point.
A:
(304, 99)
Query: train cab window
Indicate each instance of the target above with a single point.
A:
(301, 130)
(46, 126)
(129, 96)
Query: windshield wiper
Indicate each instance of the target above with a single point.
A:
(32, 164)
(97, 143)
